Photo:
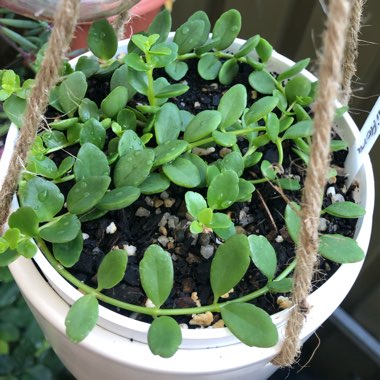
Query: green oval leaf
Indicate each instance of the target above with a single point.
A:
(119, 198)
(264, 49)
(202, 125)
(297, 87)
(189, 35)
(90, 162)
(281, 286)
(167, 125)
(223, 190)
(133, 168)
(102, 40)
(248, 46)
(209, 66)
(164, 336)
(25, 219)
(156, 274)
(263, 255)
(299, 130)
(261, 108)
(182, 172)
(87, 65)
(72, 91)
(82, 318)
(250, 324)
(340, 249)
(171, 91)
(268, 170)
(262, 82)
(168, 151)
(93, 132)
(62, 125)
(345, 210)
(228, 71)
(227, 28)
(195, 203)
(115, 101)
(112, 269)
(86, 193)
(177, 69)
(154, 184)
(293, 220)
(129, 142)
(232, 105)
(294, 70)
(161, 25)
(68, 253)
(229, 265)
(62, 230)
(233, 161)
(43, 197)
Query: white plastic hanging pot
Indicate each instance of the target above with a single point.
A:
(116, 349)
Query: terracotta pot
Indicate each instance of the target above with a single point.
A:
(116, 349)
(142, 14)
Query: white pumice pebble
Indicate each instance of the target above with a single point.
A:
(330, 191)
(130, 249)
(204, 319)
(279, 239)
(85, 236)
(164, 195)
(149, 303)
(111, 228)
(322, 224)
(183, 326)
(142, 212)
(207, 251)
(337, 198)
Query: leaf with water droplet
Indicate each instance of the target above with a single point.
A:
(43, 197)
(115, 101)
(227, 28)
(25, 220)
(190, 35)
(102, 40)
(182, 172)
(169, 151)
(223, 190)
(133, 168)
(72, 91)
(233, 161)
(119, 198)
(202, 125)
(61, 230)
(129, 142)
(155, 183)
(88, 110)
(86, 193)
(93, 132)
(167, 125)
(68, 253)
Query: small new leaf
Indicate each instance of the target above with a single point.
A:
(112, 269)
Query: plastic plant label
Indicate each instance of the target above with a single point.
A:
(362, 146)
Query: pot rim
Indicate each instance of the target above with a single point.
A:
(202, 338)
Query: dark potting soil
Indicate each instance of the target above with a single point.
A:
(162, 219)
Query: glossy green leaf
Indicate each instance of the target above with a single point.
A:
(86, 193)
(228, 71)
(8, 257)
(164, 336)
(263, 255)
(136, 62)
(281, 286)
(12, 236)
(112, 269)
(190, 35)
(24, 219)
(209, 66)
(246, 189)
(177, 69)
(115, 101)
(169, 151)
(90, 162)
(282, 101)
(261, 108)
(93, 214)
(62, 125)
(93, 132)
(252, 159)
(224, 138)
(202, 125)
(293, 220)
(68, 253)
(294, 70)
(87, 65)
(120, 77)
(43, 197)
(233, 161)
(196, 227)
(127, 119)
(297, 87)
(345, 210)
(161, 25)
(119, 198)
(129, 142)
(163, 54)
(182, 172)
(133, 168)
(248, 46)
(14, 107)
(82, 318)
(337, 145)
(27, 248)
(223, 190)
(300, 113)
(155, 183)
(102, 40)
(285, 123)
(273, 126)
(220, 220)
(156, 274)
(250, 324)
(229, 265)
(299, 130)
(202, 16)
(288, 184)
(172, 91)
(264, 49)
(340, 249)
(205, 216)
(62, 230)
(53, 139)
(139, 81)
(227, 28)
(72, 91)
(167, 125)
(232, 104)
(195, 203)
(201, 166)
(262, 82)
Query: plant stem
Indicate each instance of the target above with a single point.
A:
(153, 311)
(149, 73)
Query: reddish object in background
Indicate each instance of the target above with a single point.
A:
(142, 14)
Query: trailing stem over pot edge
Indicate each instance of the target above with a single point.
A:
(151, 146)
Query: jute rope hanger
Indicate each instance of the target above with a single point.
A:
(340, 49)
